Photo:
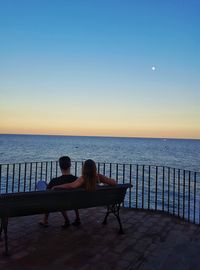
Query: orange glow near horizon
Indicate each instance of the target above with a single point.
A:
(184, 134)
(101, 123)
(105, 123)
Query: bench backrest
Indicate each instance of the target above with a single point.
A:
(38, 202)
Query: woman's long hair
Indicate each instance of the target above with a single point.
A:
(89, 173)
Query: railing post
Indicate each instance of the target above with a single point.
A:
(189, 197)
(123, 174)
(46, 172)
(13, 178)
(25, 176)
(0, 177)
(156, 187)
(195, 175)
(168, 189)
(178, 192)
(183, 193)
(130, 182)
(163, 189)
(104, 168)
(174, 178)
(7, 174)
(51, 168)
(142, 186)
(19, 177)
(56, 168)
(149, 184)
(136, 186)
(30, 183)
(41, 171)
(36, 167)
(117, 172)
(75, 168)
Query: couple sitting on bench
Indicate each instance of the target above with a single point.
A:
(89, 179)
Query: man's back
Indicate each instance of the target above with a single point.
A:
(63, 179)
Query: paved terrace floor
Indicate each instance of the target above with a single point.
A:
(151, 241)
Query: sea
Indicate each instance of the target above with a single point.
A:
(175, 153)
(170, 182)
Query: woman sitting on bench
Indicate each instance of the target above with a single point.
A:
(89, 179)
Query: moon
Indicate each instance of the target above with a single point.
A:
(153, 68)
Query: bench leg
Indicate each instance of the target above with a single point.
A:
(114, 209)
(1, 229)
(106, 216)
(120, 224)
(4, 226)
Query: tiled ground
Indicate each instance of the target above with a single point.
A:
(151, 241)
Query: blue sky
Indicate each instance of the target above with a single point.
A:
(85, 68)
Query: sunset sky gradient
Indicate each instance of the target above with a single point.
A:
(85, 67)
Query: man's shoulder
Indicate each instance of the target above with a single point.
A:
(56, 178)
(70, 176)
(65, 177)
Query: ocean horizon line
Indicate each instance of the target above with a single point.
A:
(98, 136)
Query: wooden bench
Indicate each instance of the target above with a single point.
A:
(39, 202)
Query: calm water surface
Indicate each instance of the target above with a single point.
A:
(184, 154)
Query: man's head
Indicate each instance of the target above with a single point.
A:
(65, 163)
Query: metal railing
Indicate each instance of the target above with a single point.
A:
(158, 188)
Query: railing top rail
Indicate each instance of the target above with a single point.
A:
(104, 162)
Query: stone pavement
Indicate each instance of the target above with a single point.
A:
(151, 241)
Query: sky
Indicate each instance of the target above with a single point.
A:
(126, 68)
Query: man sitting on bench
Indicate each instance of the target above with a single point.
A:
(66, 177)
